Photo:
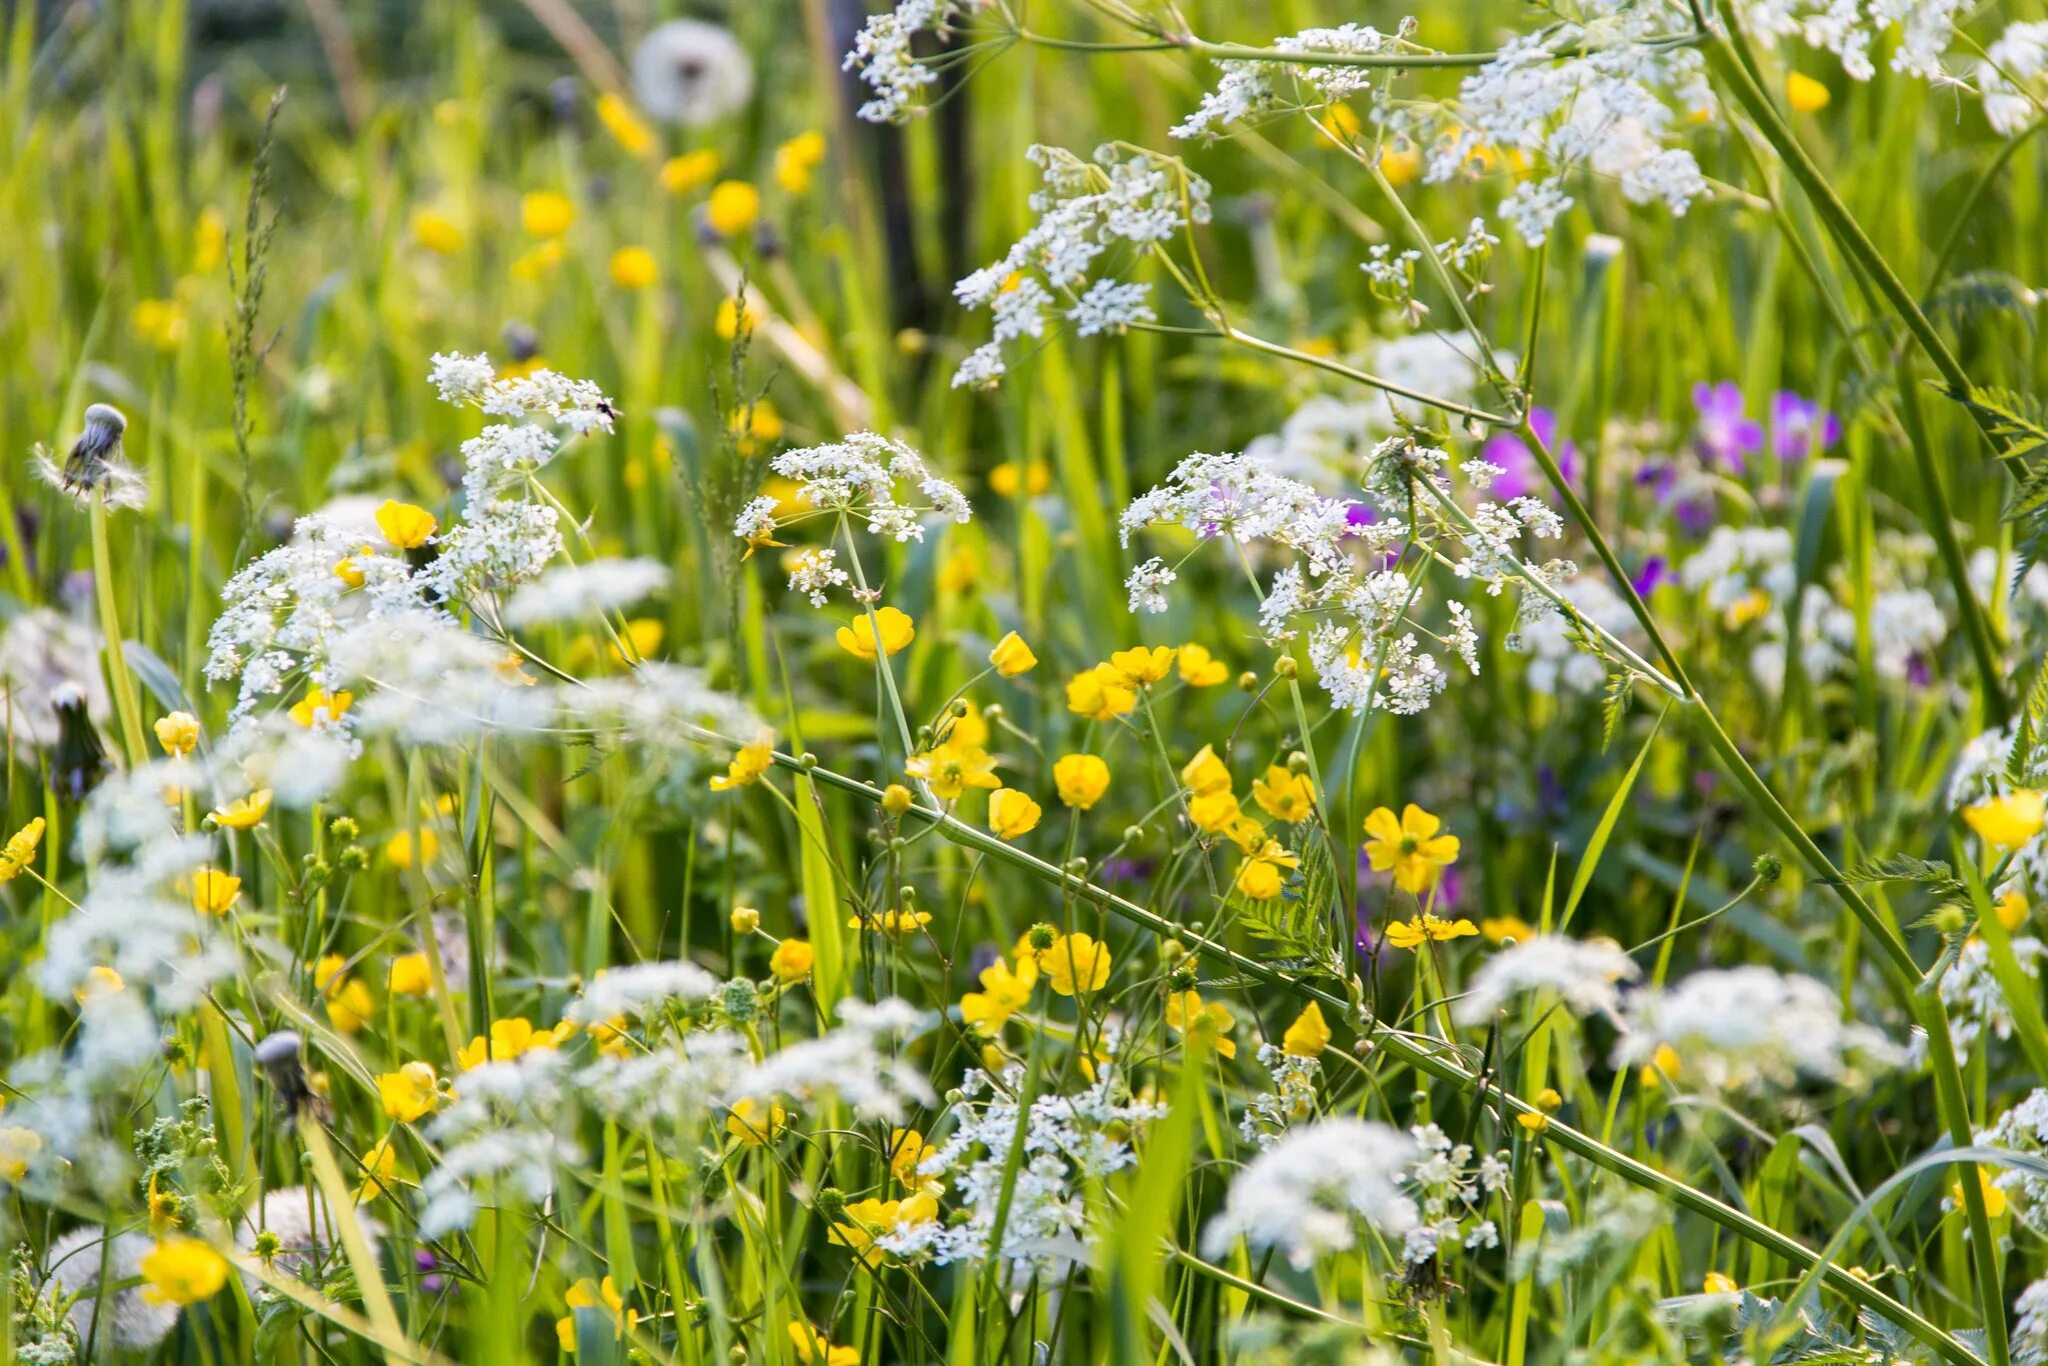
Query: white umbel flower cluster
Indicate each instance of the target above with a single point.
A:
(1353, 578)
(1308, 1195)
(1249, 90)
(1126, 197)
(858, 478)
(883, 55)
(1070, 1143)
(1752, 1028)
(1585, 974)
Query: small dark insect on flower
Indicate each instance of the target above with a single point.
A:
(97, 447)
(95, 466)
(281, 1056)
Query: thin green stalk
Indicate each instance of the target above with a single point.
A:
(126, 704)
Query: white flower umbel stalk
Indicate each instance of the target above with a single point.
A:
(1585, 974)
(1250, 90)
(1976, 1001)
(1091, 215)
(1750, 1027)
(2022, 1129)
(509, 1124)
(1308, 1195)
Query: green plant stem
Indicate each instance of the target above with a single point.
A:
(126, 704)
(1437, 1061)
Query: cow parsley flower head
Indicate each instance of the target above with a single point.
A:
(1091, 214)
(867, 477)
(569, 592)
(1750, 1028)
(1585, 974)
(1248, 90)
(1309, 1194)
(883, 55)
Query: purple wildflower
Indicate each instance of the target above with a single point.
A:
(1655, 571)
(1725, 436)
(1523, 475)
(1801, 427)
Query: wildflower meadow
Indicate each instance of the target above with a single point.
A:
(1023, 681)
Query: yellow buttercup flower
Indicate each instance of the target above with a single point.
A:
(2012, 910)
(867, 1220)
(405, 525)
(589, 1294)
(1012, 656)
(907, 1149)
(510, 1039)
(814, 1349)
(1101, 693)
(1284, 795)
(747, 766)
(952, 768)
(732, 318)
(1003, 993)
(2010, 821)
(1214, 813)
(1995, 1201)
(791, 961)
(969, 727)
(625, 126)
(320, 707)
(1410, 846)
(1011, 813)
(1205, 773)
(893, 923)
(1500, 929)
(409, 975)
(1664, 1062)
(1400, 164)
(1199, 668)
(348, 1001)
(215, 892)
(437, 232)
(1718, 1284)
(400, 853)
(1309, 1035)
(896, 629)
(1548, 1102)
(1264, 871)
(681, 174)
(178, 733)
(100, 981)
(20, 850)
(797, 159)
(18, 1148)
(1805, 94)
(161, 322)
(1422, 928)
(1080, 779)
(634, 268)
(182, 1271)
(1143, 666)
(1186, 1014)
(410, 1092)
(732, 208)
(1075, 963)
(543, 213)
(1007, 478)
(749, 1125)
(380, 1164)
